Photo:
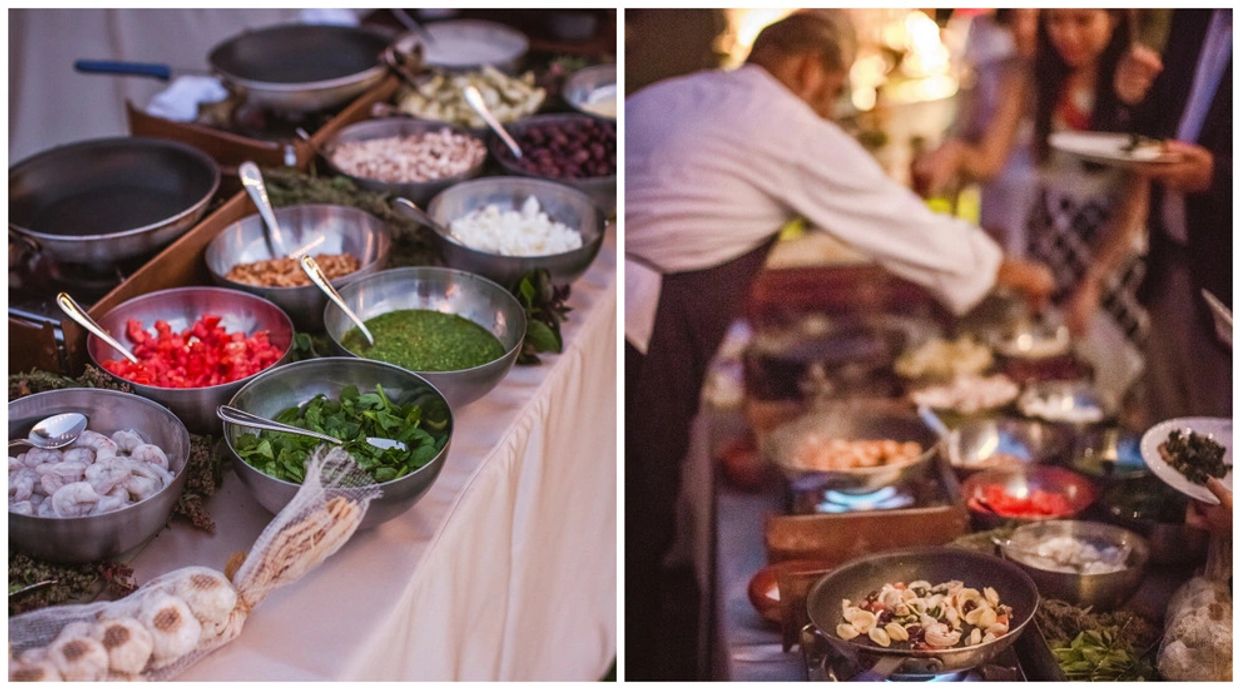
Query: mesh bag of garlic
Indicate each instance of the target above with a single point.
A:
(178, 618)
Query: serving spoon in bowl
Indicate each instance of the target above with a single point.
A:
(473, 98)
(233, 415)
(75, 311)
(54, 432)
(313, 271)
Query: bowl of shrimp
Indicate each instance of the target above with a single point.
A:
(105, 494)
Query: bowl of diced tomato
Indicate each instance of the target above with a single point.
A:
(1026, 494)
(196, 346)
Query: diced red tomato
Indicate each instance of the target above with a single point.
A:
(1039, 503)
(204, 354)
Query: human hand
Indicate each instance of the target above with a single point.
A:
(1135, 74)
(934, 171)
(1082, 305)
(1213, 518)
(1193, 174)
(1034, 280)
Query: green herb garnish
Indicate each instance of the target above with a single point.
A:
(545, 308)
(421, 425)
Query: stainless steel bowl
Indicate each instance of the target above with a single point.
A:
(986, 443)
(91, 538)
(1109, 454)
(849, 421)
(418, 192)
(329, 229)
(275, 390)
(1102, 591)
(562, 204)
(449, 291)
(1022, 481)
(586, 81)
(601, 190)
(180, 307)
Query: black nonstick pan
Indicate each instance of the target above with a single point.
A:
(856, 579)
(105, 200)
(292, 68)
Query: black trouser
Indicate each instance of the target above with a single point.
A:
(661, 399)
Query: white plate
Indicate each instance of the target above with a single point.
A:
(1108, 148)
(1220, 429)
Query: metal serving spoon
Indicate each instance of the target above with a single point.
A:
(473, 97)
(252, 180)
(75, 311)
(312, 270)
(238, 417)
(54, 432)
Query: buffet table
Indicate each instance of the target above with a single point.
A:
(517, 534)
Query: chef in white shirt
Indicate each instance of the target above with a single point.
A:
(716, 163)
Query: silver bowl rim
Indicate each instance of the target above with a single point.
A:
(178, 428)
(483, 181)
(232, 292)
(494, 145)
(245, 286)
(351, 360)
(1141, 546)
(570, 83)
(329, 147)
(489, 25)
(186, 149)
(1042, 388)
(357, 285)
(1024, 422)
(978, 480)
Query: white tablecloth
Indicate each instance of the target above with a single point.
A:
(505, 570)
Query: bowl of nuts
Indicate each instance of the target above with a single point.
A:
(411, 158)
(572, 149)
(347, 243)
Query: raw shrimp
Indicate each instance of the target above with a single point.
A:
(24, 507)
(68, 471)
(153, 471)
(95, 441)
(74, 500)
(141, 487)
(151, 454)
(22, 483)
(44, 509)
(82, 455)
(106, 475)
(128, 440)
(17, 463)
(38, 455)
(110, 503)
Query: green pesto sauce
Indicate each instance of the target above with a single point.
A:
(422, 340)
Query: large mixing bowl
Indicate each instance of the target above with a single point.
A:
(96, 537)
(295, 384)
(327, 229)
(418, 192)
(1103, 591)
(562, 204)
(601, 190)
(438, 289)
(180, 307)
(848, 421)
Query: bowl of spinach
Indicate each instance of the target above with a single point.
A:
(352, 400)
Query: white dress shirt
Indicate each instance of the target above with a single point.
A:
(1211, 64)
(717, 162)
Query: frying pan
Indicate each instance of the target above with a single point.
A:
(858, 578)
(105, 200)
(292, 68)
(853, 420)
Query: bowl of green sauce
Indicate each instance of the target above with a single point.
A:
(460, 331)
(351, 399)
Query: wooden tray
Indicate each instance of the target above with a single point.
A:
(181, 263)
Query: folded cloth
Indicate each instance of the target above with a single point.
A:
(179, 102)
